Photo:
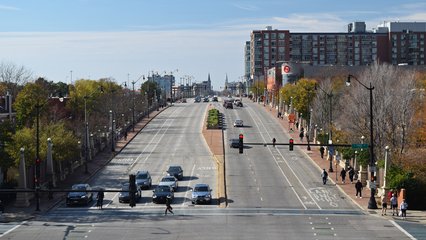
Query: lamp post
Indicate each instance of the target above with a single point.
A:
(112, 131)
(86, 136)
(386, 166)
(372, 202)
(330, 123)
(308, 138)
(37, 162)
(133, 101)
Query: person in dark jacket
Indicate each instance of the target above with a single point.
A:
(324, 176)
(351, 174)
(168, 206)
(322, 149)
(358, 188)
(343, 175)
(100, 199)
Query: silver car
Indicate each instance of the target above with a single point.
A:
(238, 123)
(201, 193)
(169, 181)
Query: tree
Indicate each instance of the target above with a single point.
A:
(12, 77)
(6, 133)
(258, 88)
(31, 96)
(392, 106)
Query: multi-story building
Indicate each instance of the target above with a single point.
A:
(164, 82)
(394, 42)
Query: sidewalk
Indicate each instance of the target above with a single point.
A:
(347, 188)
(15, 214)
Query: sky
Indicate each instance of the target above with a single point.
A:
(66, 40)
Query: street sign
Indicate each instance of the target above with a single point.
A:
(359, 145)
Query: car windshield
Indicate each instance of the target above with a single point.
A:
(174, 169)
(201, 189)
(142, 176)
(162, 189)
(78, 187)
(168, 179)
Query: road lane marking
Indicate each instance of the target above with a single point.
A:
(284, 159)
(12, 229)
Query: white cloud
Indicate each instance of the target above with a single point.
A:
(8, 8)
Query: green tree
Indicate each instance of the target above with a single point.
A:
(150, 89)
(258, 88)
(31, 96)
(6, 133)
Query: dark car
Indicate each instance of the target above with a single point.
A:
(201, 194)
(176, 171)
(161, 193)
(229, 105)
(206, 99)
(235, 143)
(124, 197)
(79, 198)
(143, 180)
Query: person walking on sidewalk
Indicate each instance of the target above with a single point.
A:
(358, 188)
(301, 135)
(384, 205)
(168, 206)
(324, 176)
(351, 174)
(100, 199)
(322, 149)
(394, 204)
(343, 175)
(403, 209)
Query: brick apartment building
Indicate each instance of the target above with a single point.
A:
(391, 42)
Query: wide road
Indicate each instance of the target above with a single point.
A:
(272, 193)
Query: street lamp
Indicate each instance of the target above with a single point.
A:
(330, 123)
(112, 130)
(372, 202)
(386, 166)
(133, 111)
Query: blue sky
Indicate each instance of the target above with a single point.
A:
(127, 38)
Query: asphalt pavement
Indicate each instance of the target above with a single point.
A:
(413, 216)
(16, 214)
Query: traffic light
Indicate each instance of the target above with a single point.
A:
(290, 145)
(241, 145)
(132, 190)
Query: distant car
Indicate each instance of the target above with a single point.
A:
(214, 99)
(161, 193)
(238, 103)
(228, 105)
(197, 99)
(206, 99)
(124, 197)
(184, 100)
(235, 143)
(175, 171)
(79, 198)
(238, 123)
(170, 181)
(201, 193)
(143, 180)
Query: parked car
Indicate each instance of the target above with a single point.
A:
(206, 99)
(201, 193)
(124, 197)
(238, 123)
(238, 103)
(170, 181)
(235, 143)
(176, 171)
(143, 180)
(79, 198)
(214, 99)
(197, 99)
(161, 193)
(183, 100)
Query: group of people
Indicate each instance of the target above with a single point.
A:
(393, 199)
(351, 173)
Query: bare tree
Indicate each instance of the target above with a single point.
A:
(393, 108)
(13, 77)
